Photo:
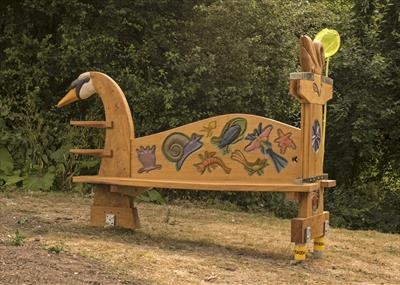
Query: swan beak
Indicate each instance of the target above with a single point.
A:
(68, 99)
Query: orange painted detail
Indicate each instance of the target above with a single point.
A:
(210, 162)
(284, 141)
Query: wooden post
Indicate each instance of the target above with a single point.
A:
(312, 90)
(319, 242)
(300, 250)
(319, 246)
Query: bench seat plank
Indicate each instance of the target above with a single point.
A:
(228, 185)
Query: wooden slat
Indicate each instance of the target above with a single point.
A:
(230, 185)
(328, 183)
(94, 152)
(93, 124)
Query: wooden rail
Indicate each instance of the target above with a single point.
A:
(223, 185)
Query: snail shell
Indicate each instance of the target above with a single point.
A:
(173, 146)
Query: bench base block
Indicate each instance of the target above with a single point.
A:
(121, 217)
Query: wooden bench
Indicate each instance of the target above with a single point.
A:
(233, 152)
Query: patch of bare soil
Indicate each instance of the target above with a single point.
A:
(32, 264)
(177, 244)
(27, 257)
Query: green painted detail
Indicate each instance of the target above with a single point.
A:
(209, 128)
(251, 167)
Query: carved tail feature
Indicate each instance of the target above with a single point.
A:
(312, 57)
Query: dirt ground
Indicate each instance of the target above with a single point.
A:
(45, 238)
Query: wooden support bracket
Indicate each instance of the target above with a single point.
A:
(315, 223)
(128, 191)
(295, 196)
(328, 183)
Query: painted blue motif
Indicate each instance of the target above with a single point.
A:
(316, 136)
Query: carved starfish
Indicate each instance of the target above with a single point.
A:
(284, 141)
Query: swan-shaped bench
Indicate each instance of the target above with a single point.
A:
(234, 152)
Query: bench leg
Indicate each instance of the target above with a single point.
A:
(300, 250)
(113, 209)
(312, 223)
(319, 246)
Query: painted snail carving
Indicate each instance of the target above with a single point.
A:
(178, 146)
(173, 146)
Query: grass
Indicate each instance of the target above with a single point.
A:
(55, 248)
(186, 244)
(17, 239)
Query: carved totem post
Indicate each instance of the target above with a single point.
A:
(313, 90)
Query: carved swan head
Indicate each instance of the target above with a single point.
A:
(81, 88)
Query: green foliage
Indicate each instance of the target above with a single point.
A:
(362, 134)
(374, 205)
(248, 201)
(17, 239)
(150, 196)
(8, 176)
(55, 249)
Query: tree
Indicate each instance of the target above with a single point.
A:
(363, 141)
